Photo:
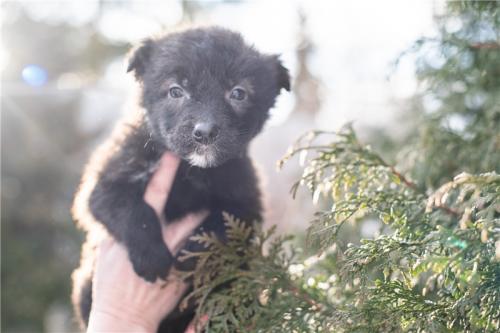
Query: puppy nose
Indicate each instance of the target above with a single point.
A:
(205, 132)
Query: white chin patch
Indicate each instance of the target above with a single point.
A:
(205, 160)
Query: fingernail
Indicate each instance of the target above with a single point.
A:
(201, 215)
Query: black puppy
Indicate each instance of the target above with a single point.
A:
(206, 94)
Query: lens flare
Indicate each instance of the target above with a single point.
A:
(34, 75)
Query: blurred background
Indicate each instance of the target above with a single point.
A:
(64, 84)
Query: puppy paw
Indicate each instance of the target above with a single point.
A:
(151, 262)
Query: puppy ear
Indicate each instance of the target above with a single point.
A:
(282, 74)
(140, 57)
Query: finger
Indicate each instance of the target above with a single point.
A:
(160, 184)
(190, 328)
(197, 324)
(177, 232)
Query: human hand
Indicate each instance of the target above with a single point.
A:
(121, 300)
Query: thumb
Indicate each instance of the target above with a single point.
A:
(161, 182)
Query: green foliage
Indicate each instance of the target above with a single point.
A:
(242, 289)
(437, 268)
(436, 271)
(434, 264)
(460, 77)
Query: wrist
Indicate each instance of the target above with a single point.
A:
(106, 321)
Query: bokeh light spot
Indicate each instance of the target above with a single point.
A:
(34, 75)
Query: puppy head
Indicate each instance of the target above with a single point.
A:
(206, 92)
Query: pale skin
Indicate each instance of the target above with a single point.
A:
(123, 301)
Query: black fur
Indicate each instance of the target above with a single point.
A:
(189, 81)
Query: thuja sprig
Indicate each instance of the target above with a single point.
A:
(244, 284)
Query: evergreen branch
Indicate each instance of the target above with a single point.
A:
(403, 178)
(485, 46)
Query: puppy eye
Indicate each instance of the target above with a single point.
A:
(176, 92)
(238, 94)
